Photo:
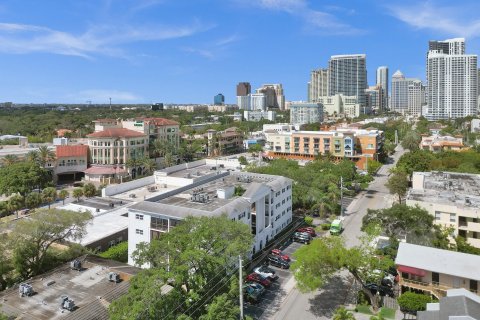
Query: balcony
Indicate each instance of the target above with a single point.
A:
(438, 290)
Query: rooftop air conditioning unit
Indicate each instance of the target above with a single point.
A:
(25, 290)
(76, 265)
(113, 277)
(67, 303)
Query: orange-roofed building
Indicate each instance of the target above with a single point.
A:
(62, 132)
(71, 161)
(437, 143)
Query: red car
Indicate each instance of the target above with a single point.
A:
(308, 230)
(255, 277)
(279, 253)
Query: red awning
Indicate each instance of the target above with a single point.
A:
(412, 270)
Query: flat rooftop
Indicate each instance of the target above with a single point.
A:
(461, 189)
(179, 202)
(89, 289)
(437, 260)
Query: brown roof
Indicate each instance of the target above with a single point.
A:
(105, 120)
(116, 132)
(161, 121)
(71, 151)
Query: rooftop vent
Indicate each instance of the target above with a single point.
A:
(201, 197)
(246, 179)
(67, 303)
(76, 265)
(113, 277)
(25, 290)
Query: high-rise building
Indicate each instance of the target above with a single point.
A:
(306, 112)
(273, 95)
(416, 97)
(399, 95)
(374, 98)
(258, 101)
(243, 102)
(219, 100)
(243, 89)
(318, 85)
(347, 75)
(452, 79)
(382, 80)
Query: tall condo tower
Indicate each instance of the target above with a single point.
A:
(347, 75)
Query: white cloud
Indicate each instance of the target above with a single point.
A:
(104, 39)
(452, 21)
(319, 20)
(103, 96)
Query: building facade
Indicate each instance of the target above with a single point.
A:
(437, 143)
(452, 198)
(347, 75)
(259, 115)
(340, 105)
(70, 161)
(399, 96)
(197, 190)
(224, 142)
(435, 271)
(274, 97)
(416, 98)
(306, 112)
(374, 98)
(382, 81)
(258, 101)
(219, 100)
(357, 145)
(318, 85)
(243, 95)
(452, 78)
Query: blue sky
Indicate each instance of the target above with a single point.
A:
(143, 51)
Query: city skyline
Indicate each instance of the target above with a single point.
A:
(182, 52)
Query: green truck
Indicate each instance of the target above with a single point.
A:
(336, 227)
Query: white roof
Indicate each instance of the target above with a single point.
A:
(437, 260)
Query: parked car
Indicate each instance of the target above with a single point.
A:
(257, 286)
(255, 277)
(279, 253)
(266, 272)
(251, 294)
(277, 261)
(309, 230)
(382, 290)
(302, 237)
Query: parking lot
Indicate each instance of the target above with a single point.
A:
(274, 295)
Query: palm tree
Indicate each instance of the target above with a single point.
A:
(343, 314)
(15, 203)
(78, 193)
(149, 165)
(49, 195)
(45, 155)
(63, 194)
(33, 156)
(9, 159)
(132, 164)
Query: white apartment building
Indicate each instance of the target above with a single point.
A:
(318, 85)
(416, 98)
(452, 78)
(306, 112)
(257, 115)
(258, 101)
(452, 198)
(243, 102)
(207, 188)
(399, 96)
(340, 104)
(375, 99)
(347, 75)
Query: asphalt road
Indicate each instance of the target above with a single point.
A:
(322, 303)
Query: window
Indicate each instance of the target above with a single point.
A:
(453, 217)
(438, 215)
(159, 224)
(154, 235)
(139, 216)
(111, 243)
(174, 223)
(139, 231)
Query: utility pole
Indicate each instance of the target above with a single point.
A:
(396, 137)
(341, 197)
(110, 103)
(240, 284)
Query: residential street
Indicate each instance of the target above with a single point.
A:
(321, 304)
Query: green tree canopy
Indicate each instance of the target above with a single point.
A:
(78, 193)
(22, 177)
(411, 302)
(398, 184)
(316, 264)
(31, 238)
(49, 195)
(89, 190)
(411, 141)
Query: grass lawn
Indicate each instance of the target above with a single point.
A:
(385, 312)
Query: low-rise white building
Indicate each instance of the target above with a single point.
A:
(257, 115)
(452, 198)
(212, 188)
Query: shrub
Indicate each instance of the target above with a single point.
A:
(411, 302)
(118, 252)
(309, 220)
(325, 226)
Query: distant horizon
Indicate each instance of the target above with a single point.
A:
(150, 51)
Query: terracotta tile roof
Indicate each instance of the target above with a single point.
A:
(71, 151)
(116, 132)
(160, 121)
(62, 132)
